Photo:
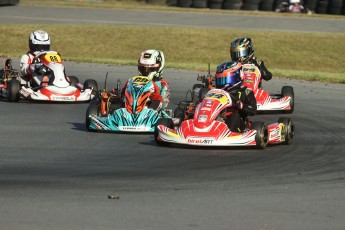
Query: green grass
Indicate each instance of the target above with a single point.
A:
(309, 56)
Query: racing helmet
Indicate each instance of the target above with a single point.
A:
(228, 75)
(151, 64)
(241, 49)
(39, 40)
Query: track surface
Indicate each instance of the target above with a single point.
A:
(56, 175)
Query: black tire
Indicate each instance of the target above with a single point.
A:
(232, 5)
(92, 109)
(13, 88)
(91, 84)
(179, 113)
(203, 93)
(184, 3)
(171, 2)
(73, 80)
(321, 7)
(266, 5)
(289, 129)
(311, 5)
(166, 122)
(288, 91)
(199, 4)
(261, 137)
(196, 91)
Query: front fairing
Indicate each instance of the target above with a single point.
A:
(138, 91)
(215, 101)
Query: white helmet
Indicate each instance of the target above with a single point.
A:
(39, 40)
(151, 64)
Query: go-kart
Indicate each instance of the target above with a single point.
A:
(208, 127)
(107, 112)
(251, 78)
(60, 88)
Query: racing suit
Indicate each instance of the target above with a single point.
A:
(30, 72)
(155, 96)
(265, 73)
(245, 105)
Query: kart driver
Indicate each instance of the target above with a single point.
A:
(32, 72)
(151, 64)
(242, 50)
(228, 78)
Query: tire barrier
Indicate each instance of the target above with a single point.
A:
(336, 7)
(199, 4)
(215, 4)
(250, 5)
(232, 4)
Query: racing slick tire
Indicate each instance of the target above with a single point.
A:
(288, 91)
(261, 137)
(13, 88)
(92, 109)
(166, 122)
(289, 129)
(196, 91)
(203, 93)
(91, 84)
(73, 80)
(179, 113)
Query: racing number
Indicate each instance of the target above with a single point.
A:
(53, 59)
(141, 80)
(216, 95)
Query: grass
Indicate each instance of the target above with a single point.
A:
(309, 56)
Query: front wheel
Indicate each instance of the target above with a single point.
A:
(73, 80)
(13, 88)
(179, 114)
(91, 84)
(92, 109)
(261, 137)
(288, 91)
(166, 122)
(288, 131)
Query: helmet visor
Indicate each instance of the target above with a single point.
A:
(40, 47)
(146, 70)
(236, 55)
(223, 79)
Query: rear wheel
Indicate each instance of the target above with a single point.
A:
(203, 93)
(196, 91)
(166, 122)
(92, 109)
(261, 137)
(13, 88)
(288, 91)
(289, 129)
(91, 84)
(179, 113)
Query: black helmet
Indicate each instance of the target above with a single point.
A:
(241, 49)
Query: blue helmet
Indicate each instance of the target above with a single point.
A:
(228, 75)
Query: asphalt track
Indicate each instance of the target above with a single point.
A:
(56, 175)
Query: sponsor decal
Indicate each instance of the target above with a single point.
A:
(134, 128)
(63, 98)
(200, 141)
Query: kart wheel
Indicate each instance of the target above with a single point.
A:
(288, 91)
(196, 91)
(179, 113)
(261, 137)
(203, 93)
(166, 122)
(73, 80)
(92, 109)
(13, 88)
(289, 129)
(91, 84)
